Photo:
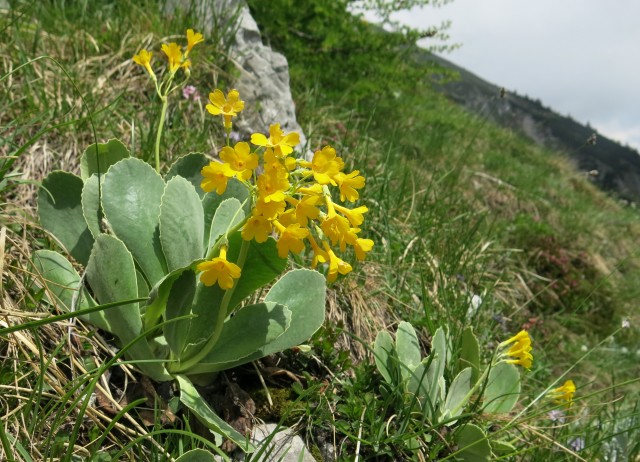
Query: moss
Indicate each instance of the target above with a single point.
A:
(284, 405)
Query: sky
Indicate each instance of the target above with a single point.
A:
(579, 57)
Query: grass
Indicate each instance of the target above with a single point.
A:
(472, 224)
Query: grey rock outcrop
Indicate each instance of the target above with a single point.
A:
(263, 81)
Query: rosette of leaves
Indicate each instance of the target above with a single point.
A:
(137, 238)
(421, 382)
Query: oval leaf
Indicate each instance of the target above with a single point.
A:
(131, 196)
(458, 395)
(62, 282)
(212, 200)
(228, 214)
(503, 389)
(244, 334)
(98, 161)
(408, 349)
(112, 276)
(91, 205)
(473, 444)
(303, 291)
(60, 212)
(385, 357)
(181, 224)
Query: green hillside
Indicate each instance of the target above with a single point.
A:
(478, 235)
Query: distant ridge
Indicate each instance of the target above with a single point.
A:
(618, 166)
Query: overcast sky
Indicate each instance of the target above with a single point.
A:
(579, 57)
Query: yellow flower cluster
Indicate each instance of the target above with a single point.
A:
(291, 198)
(519, 350)
(176, 57)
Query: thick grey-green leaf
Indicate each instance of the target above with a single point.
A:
(60, 212)
(304, 292)
(469, 352)
(131, 196)
(190, 397)
(91, 205)
(111, 274)
(108, 153)
(473, 445)
(408, 349)
(262, 266)
(435, 371)
(385, 357)
(503, 389)
(189, 167)
(181, 224)
(211, 201)
(244, 334)
(458, 395)
(228, 214)
(62, 282)
(197, 455)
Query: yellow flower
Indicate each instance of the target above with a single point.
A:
(271, 187)
(216, 176)
(282, 144)
(291, 238)
(361, 247)
(174, 55)
(348, 185)
(257, 227)
(240, 159)
(336, 228)
(143, 58)
(564, 394)
(325, 165)
(520, 349)
(270, 210)
(219, 270)
(355, 216)
(228, 107)
(336, 265)
(193, 38)
(319, 255)
(305, 209)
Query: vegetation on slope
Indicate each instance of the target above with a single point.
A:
(473, 226)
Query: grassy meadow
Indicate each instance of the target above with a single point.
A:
(473, 226)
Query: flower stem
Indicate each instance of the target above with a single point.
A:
(163, 114)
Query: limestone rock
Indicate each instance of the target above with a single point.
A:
(285, 446)
(263, 82)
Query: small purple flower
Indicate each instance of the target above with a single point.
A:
(577, 444)
(190, 92)
(556, 415)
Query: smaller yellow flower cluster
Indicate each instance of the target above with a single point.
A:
(520, 349)
(177, 58)
(564, 394)
(291, 197)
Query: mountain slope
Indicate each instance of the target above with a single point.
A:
(618, 166)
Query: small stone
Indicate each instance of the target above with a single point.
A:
(284, 446)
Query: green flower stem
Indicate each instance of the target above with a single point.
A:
(224, 305)
(163, 115)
